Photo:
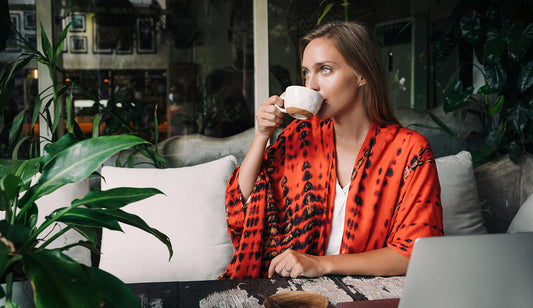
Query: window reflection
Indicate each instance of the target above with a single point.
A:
(185, 65)
(25, 87)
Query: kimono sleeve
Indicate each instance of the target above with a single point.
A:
(418, 212)
(236, 209)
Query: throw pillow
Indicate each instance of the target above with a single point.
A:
(459, 196)
(191, 213)
(523, 220)
(62, 197)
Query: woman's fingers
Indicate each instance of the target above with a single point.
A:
(268, 116)
(283, 265)
(291, 263)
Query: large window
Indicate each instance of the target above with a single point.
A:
(166, 67)
(186, 64)
(161, 68)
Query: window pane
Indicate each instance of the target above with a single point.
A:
(23, 85)
(185, 65)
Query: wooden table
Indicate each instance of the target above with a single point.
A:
(245, 293)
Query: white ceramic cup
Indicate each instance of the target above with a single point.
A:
(300, 102)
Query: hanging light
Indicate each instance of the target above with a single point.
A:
(34, 73)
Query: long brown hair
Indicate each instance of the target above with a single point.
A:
(358, 46)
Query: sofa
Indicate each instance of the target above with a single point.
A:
(496, 197)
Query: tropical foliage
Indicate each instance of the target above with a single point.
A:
(58, 280)
(500, 33)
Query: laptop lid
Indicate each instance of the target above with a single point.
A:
(489, 270)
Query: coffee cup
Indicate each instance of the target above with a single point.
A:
(300, 102)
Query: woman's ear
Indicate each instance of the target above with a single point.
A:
(361, 81)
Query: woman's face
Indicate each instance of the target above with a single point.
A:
(326, 71)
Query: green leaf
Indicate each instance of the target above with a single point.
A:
(9, 166)
(4, 257)
(50, 150)
(442, 125)
(485, 90)
(470, 24)
(77, 162)
(514, 151)
(61, 41)
(16, 127)
(518, 117)
(36, 109)
(47, 47)
(136, 221)
(31, 217)
(87, 232)
(96, 125)
(493, 142)
(517, 44)
(115, 198)
(69, 111)
(59, 281)
(442, 45)
(324, 13)
(27, 169)
(114, 291)
(497, 106)
(528, 31)
(525, 77)
(15, 233)
(86, 218)
(58, 110)
(456, 97)
(9, 189)
(496, 75)
(494, 46)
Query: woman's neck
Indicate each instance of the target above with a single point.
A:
(351, 128)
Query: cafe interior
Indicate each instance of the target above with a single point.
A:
(187, 76)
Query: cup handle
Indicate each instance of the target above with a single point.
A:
(282, 96)
(281, 109)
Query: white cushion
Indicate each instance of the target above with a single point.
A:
(62, 197)
(523, 220)
(459, 196)
(191, 213)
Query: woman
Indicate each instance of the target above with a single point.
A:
(346, 192)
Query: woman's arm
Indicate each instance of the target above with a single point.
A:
(380, 262)
(268, 118)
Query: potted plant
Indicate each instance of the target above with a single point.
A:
(25, 250)
(500, 34)
(57, 280)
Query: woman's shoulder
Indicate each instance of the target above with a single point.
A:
(404, 134)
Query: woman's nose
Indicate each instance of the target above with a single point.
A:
(312, 82)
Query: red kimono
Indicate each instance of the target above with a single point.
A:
(394, 197)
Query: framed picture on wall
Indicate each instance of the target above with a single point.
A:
(123, 48)
(145, 36)
(12, 37)
(78, 22)
(78, 44)
(30, 22)
(102, 38)
(32, 39)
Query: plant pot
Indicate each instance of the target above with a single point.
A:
(22, 294)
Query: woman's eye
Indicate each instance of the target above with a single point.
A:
(326, 70)
(306, 73)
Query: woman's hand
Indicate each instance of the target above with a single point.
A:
(379, 262)
(268, 116)
(291, 263)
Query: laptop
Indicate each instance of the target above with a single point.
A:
(487, 270)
